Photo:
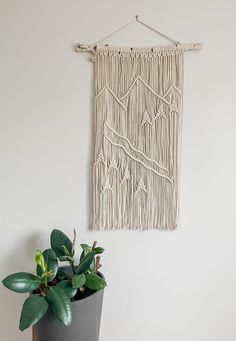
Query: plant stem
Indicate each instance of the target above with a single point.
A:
(72, 266)
(94, 245)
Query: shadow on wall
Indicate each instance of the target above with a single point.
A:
(20, 259)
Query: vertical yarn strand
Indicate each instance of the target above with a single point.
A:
(137, 136)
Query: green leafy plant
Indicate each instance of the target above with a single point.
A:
(54, 285)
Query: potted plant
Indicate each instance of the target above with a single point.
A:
(64, 302)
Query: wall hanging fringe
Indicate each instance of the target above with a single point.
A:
(137, 135)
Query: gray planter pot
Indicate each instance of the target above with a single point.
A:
(85, 326)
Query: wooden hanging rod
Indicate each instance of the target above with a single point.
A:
(90, 48)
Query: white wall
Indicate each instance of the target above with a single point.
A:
(162, 285)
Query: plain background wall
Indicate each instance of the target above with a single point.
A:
(163, 286)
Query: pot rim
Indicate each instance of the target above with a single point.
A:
(87, 297)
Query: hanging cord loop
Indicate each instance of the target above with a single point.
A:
(142, 23)
(158, 32)
(93, 46)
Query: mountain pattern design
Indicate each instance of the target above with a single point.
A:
(137, 137)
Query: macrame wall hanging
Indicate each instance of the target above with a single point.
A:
(137, 134)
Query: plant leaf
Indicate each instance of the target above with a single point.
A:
(78, 281)
(67, 287)
(22, 282)
(65, 259)
(82, 255)
(61, 273)
(95, 282)
(58, 243)
(85, 263)
(40, 261)
(61, 304)
(66, 251)
(73, 243)
(86, 248)
(98, 250)
(34, 308)
(52, 264)
(92, 266)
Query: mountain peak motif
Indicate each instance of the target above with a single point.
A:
(173, 105)
(107, 186)
(126, 175)
(160, 112)
(141, 186)
(113, 165)
(139, 80)
(107, 91)
(146, 119)
(100, 158)
(171, 92)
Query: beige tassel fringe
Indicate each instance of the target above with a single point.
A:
(138, 113)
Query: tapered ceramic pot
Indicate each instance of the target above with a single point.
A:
(85, 326)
